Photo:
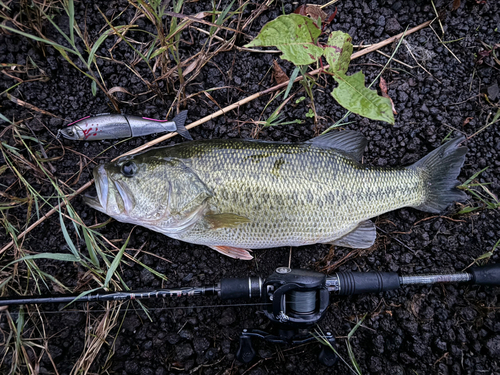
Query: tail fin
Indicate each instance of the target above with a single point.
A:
(179, 120)
(441, 168)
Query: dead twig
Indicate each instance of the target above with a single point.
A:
(17, 101)
(396, 60)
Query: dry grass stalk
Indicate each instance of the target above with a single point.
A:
(96, 334)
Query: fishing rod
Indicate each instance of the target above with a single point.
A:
(293, 299)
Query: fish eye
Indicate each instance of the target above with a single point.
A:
(71, 133)
(129, 168)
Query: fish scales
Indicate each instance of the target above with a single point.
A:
(293, 195)
(234, 195)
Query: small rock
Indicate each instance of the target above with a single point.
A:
(392, 26)
(424, 109)
(173, 338)
(132, 367)
(186, 334)
(146, 276)
(184, 351)
(397, 5)
(228, 317)
(468, 313)
(493, 91)
(200, 344)
(493, 346)
(226, 346)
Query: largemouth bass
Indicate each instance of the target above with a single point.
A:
(238, 195)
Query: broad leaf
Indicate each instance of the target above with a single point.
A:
(354, 96)
(294, 35)
(338, 52)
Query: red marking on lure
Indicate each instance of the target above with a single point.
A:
(86, 133)
(74, 122)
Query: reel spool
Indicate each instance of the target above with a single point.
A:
(295, 298)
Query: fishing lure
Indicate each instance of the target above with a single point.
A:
(112, 126)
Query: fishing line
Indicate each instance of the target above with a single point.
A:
(53, 312)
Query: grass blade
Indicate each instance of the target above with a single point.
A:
(116, 262)
(52, 256)
(70, 243)
(70, 9)
(2, 117)
(101, 40)
(295, 73)
(42, 40)
(90, 247)
(221, 18)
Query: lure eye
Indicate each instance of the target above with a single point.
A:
(129, 168)
(71, 133)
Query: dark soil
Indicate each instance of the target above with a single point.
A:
(452, 329)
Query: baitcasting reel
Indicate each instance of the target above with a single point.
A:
(295, 299)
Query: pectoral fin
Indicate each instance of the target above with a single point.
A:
(362, 237)
(233, 252)
(227, 220)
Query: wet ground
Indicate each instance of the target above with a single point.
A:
(451, 89)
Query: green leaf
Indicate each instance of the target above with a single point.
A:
(338, 52)
(294, 35)
(93, 87)
(353, 95)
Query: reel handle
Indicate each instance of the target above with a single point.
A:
(486, 275)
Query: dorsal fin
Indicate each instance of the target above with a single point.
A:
(350, 142)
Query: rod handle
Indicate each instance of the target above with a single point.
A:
(367, 282)
(240, 288)
(486, 275)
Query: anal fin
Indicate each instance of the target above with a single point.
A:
(233, 252)
(361, 237)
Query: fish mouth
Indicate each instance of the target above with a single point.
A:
(102, 186)
(94, 203)
(121, 203)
